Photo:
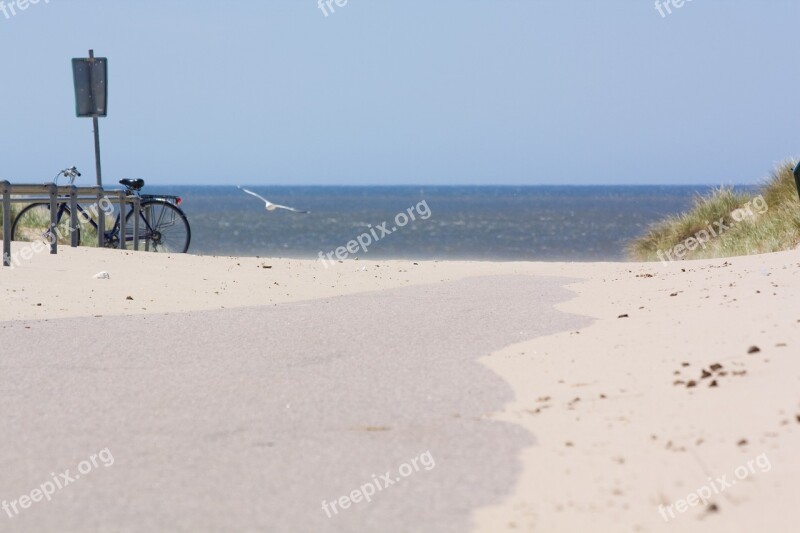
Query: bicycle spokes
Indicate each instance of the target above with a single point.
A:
(162, 227)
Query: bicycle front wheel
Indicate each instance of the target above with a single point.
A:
(33, 224)
(162, 227)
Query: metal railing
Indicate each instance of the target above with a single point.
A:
(55, 195)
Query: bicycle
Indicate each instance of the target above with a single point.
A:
(163, 226)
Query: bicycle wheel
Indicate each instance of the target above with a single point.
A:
(162, 228)
(33, 223)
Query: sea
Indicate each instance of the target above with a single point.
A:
(500, 223)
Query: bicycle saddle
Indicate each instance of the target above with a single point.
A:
(132, 184)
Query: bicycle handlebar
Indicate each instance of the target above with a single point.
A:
(69, 173)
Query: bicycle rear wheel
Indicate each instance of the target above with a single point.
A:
(33, 223)
(163, 227)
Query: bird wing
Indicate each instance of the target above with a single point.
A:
(270, 205)
(256, 195)
(289, 208)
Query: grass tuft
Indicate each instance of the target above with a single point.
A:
(726, 223)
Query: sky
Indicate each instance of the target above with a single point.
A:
(393, 92)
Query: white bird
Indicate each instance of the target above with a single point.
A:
(269, 205)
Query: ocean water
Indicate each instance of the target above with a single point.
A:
(537, 223)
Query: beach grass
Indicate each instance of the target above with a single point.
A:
(726, 223)
(15, 209)
(34, 223)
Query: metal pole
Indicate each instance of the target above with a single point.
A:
(53, 190)
(148, 212)
(6, 190)
(122, 205)
(96, 126)
(99, 172)
(73, 219)
(101, 221)
(136, 215)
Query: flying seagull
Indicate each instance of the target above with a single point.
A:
(269, 205)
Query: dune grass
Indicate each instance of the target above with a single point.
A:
(726, 223)
(35, 222)
(15, 209)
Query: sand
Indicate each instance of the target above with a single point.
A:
(690, 373)
(587, 425)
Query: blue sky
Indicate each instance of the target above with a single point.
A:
(407, 91)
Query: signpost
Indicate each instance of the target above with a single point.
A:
(90, 76)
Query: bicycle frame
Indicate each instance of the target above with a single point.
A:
(108, 235)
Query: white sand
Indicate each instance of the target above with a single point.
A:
(618, 431)
(615, 437)
(64, 284)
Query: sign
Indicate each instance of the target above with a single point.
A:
(90, 76)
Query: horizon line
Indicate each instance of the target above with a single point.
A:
(456, 185)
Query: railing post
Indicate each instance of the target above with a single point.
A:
(122, 204)
(53, 191)
(5, 189)
(136, 207)
(101, 221)
(148, 216)
(73, 216)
